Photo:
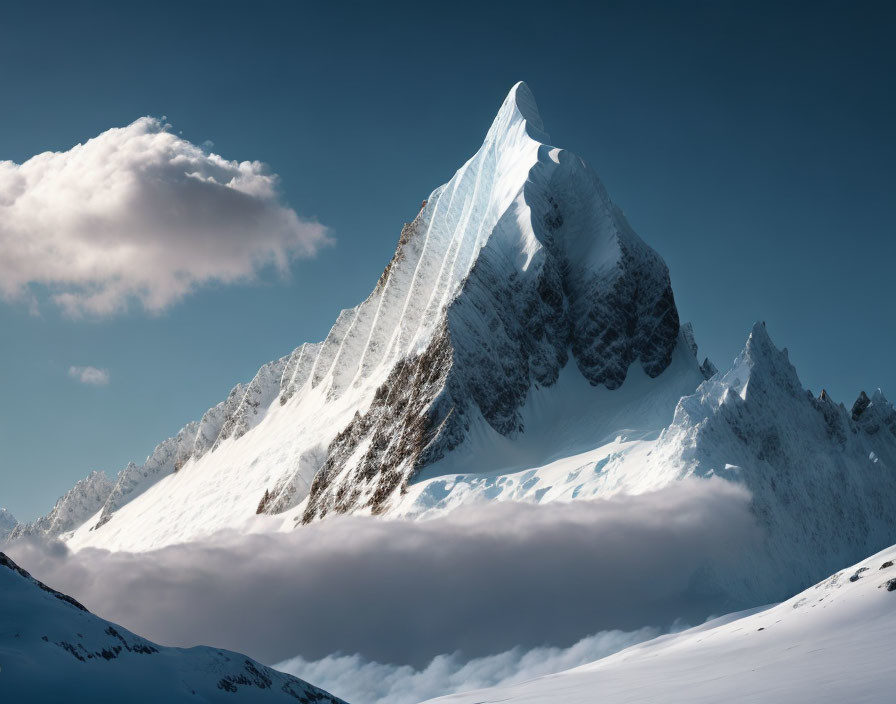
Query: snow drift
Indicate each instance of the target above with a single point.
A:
(828, 643)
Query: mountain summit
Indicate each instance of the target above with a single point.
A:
(523, 343)
(518, 266)
(518, 262)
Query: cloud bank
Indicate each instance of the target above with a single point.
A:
(480, 581)
(89, 375)
(140, 214)
(360, 681)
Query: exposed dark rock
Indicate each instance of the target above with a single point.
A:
(506, 330)
(401, 424)
(265, 500)
(874, 414)
(708, 369)
(861, 404)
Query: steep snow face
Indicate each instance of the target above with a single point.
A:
(53, 649)
(517, 268)
(831, 642)
(520, 259)
(77, 505)
(574, 431)
(7, 524)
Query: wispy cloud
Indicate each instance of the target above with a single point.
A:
(89, 375)
(141, 214)
(480, 581)
(360, 681)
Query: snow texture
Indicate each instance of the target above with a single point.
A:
(823, 479)
(829, 643)
(77, 505)
(54, 649)
(515, 268)
(522, 344)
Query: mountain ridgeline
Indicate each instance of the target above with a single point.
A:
(523, 343)
(516, 266)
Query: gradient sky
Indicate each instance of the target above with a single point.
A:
(752, 145)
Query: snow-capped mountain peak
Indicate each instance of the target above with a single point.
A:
(759, 364)
(519, 111)
(517, 266)
(521, 330)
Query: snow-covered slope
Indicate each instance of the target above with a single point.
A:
(524, 264)
(518, 269)
(523, 343)
(53, 649)
(832, 642)
(76, 506)
(574, 432)
(822, 478)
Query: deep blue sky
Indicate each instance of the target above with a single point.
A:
(752, 146)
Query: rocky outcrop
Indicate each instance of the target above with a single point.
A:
(874, 414)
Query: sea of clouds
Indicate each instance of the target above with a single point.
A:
(421, 607)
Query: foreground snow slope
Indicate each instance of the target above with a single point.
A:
(52, 649)
(831, 643)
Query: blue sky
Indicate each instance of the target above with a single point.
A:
(751, 145)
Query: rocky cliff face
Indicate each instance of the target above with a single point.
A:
(558, 271)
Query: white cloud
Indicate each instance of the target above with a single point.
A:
(480, 581)
(361, 681)
(140, 214)
(89, 375)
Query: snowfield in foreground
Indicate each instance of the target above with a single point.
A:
(833, 642)
(52, 649)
